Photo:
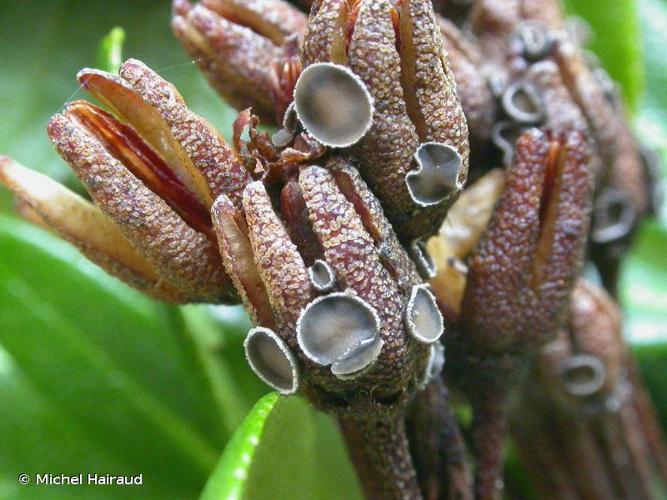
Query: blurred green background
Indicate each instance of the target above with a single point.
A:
(94, 377)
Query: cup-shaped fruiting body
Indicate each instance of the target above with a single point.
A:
(437, 176)
(397, 53)
(334, 325)
(583, 367)
(423, 319)
(533, 41)
(248, 50)
(613, 216)
(321, 276)
(272, 361)
(325, 271)
(422, 258)
(153, 168)
(435, 364)
(522, 103)
(582, 374)
(333, 104)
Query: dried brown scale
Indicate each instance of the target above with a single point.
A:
(184, 257)
(477, 101)
(295, 215)
(440, 116)
(237, 61)
(52, 206)
(237, 257)
(616, 144)
(151, 128)
(392, 253)
(280, 266)
(385, 153)
(273, 19)
(203, 145)
(529, 249)
(324, 39)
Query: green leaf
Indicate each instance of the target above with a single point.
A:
(651, 123)
(102, 376)
(652, 358)
(110, 50)
(616, 40)
(44, 44)
(284, 449)
(644, 286)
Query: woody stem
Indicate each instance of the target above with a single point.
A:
(438, 446)
(379, 449)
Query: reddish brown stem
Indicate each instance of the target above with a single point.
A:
(379, 449)
(489, 431)
(438, 446)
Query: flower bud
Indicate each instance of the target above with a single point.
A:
(415, 154)
(247, 49)
(152, 169)
(323, 269)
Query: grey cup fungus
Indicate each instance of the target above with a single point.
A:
(354, 362)
(536, 43)
(330, 327)
(423, 318)
(272, 361)
(321, 276)
(422, 259)
(504, 135)
(434, 365)
(438, 174)
(613, 216)
(582, 374)
(522, 103)
(333, 104)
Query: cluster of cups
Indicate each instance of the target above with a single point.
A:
(339, 329)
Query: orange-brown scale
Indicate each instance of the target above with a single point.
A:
(122, 142)
(204, 146)
(183, 256)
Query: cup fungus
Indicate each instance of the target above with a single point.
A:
(331, 328)
(423, 318)
(522, 103)
(439, 173)
(272, 361)
(613, 216)
(321, 276)
(333, 104)
(422, 259)
(352, 363)
(582, 374)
